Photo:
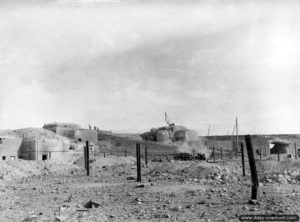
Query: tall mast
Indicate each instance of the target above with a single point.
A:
(208, 130)
(237, 134)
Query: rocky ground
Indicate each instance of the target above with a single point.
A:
(169, 191)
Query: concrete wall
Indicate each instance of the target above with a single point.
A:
(224, 144)
(260, 143)
(10, 148)
(45, 149)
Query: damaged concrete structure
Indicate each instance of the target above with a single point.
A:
(185, 136)
(10, 148)
(170, 134)
(180, 137)
(63, 129)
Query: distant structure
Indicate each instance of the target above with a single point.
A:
(170, 134)
(36, 149)
(280, 147)
(63, 129)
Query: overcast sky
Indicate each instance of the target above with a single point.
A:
(121, 65)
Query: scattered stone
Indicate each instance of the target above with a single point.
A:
(189, 206)
(63, 207)
(252, 201)
(5, 177)
(172, 194)
(253, 209)
(31, 218)
(245, 208)
(91, 204)
(61, 218)
(168, 202)
(176, 208)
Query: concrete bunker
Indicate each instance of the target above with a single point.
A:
(280, 147)
(45, 149)
(10, 148)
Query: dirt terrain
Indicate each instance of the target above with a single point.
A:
(170, 191)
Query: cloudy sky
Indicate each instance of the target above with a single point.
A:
(120, 65)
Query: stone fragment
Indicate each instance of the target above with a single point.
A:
(61, 218)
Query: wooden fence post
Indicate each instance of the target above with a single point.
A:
(243, 159)
(87, 158)
(221, 153)
(252, 167)
(296, 153)
(214, 154)
(146, 155)
(260, 152)
(138, 163)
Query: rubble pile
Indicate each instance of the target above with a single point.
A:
(291, 176)
(196, 172)
(15, 169)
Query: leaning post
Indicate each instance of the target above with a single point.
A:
(243, 159)
(252, 167)
(138, 163)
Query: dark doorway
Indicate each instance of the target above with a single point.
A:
(44, 157)
(4, 158)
